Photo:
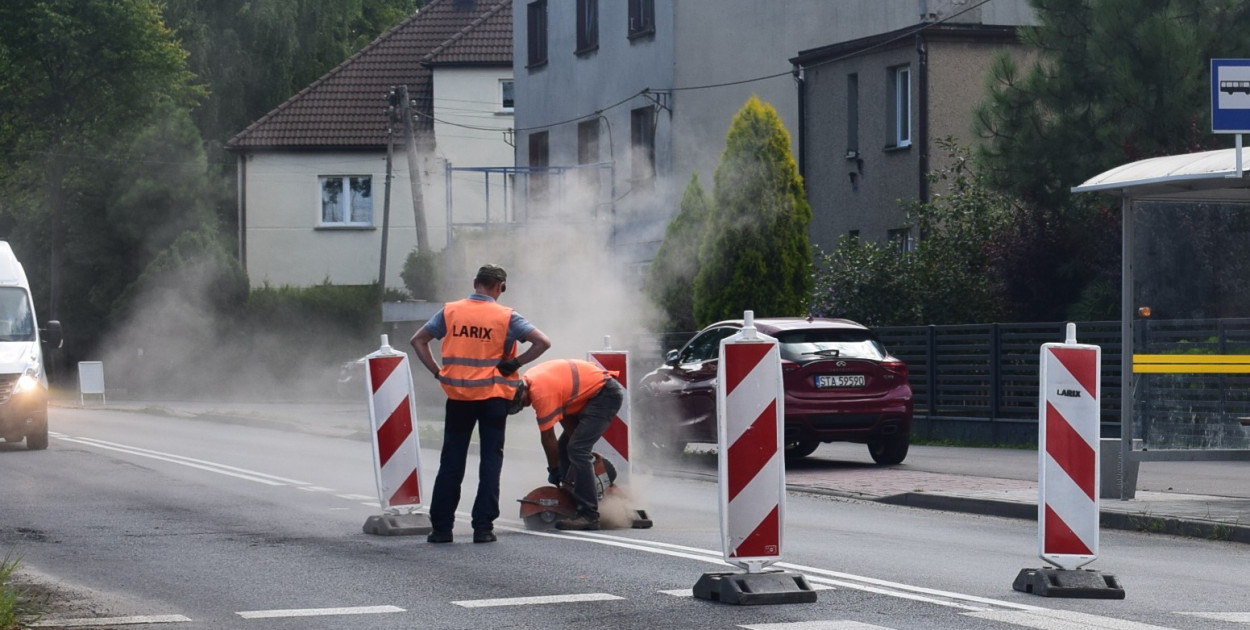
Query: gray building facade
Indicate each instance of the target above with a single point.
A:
(650, 88)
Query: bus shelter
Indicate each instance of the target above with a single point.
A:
(1185, 308)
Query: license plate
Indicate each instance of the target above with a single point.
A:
(840, 380)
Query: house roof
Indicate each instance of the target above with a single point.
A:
(346, 107)
(905, 37)
(1208, 175)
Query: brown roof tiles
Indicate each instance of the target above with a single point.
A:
(346, 108)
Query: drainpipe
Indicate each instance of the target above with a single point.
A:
(801, 84)
(241, 192)
(922, 116)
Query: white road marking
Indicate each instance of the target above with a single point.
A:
(319, 612)
(544, 599)
(356, 497)
(949, 599)
(815, 625)
(1235, 617)
(1047, 619)
(316, 489)
(107, 621)
(221, 469)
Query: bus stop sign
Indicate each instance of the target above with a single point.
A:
(1230, 95)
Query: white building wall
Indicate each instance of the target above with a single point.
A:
(285, 244)
(469, 129)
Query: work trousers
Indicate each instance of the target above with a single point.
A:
(576, 454)
(490, 417)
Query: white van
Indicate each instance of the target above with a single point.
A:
(23, 380)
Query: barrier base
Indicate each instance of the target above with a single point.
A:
(1078, 583)
(398, 525)
(747, 589)
(640, 521)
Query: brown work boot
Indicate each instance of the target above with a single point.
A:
(579, 522)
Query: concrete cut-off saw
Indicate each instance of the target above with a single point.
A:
(543, 506)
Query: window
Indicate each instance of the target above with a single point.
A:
(641, 17)
(900, 239)
(588, 153)
(506, 102)
(537, 32)
(642, 145)
(346, 200)
(539, 160)
(587, 25)
(852, 115)
(900, 106)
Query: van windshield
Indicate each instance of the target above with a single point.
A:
(16, 322)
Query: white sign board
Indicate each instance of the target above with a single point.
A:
(91, 379)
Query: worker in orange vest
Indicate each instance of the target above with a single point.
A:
(582, 398)
(479, 376)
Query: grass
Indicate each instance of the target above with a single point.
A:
(17, 607)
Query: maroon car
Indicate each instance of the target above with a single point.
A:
(841, 385)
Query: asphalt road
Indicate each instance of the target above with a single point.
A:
(211, 525)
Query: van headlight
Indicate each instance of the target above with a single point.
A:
(29, 380)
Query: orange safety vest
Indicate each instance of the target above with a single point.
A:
(477, 332)
(562, 387)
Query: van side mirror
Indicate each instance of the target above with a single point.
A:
(53, 336)
(670, 358)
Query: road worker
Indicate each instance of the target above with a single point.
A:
(479, 376)
(582, 398)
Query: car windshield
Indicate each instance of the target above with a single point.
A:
(16, 323)
(803, 346)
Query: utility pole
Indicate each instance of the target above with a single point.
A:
(414, 171)
(392, 117)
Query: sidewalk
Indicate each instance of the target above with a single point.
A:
(1197, 499)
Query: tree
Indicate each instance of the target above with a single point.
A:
(1113, 81)
(77, 75)
(756, 255)
(671, 275)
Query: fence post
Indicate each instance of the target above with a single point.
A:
(996, 389)
(931, 373)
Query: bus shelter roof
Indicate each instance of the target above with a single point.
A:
(1204, 176)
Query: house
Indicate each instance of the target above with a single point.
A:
(873, 110)
(646, 89)
(312, 173)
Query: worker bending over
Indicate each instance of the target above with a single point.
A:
(583, 398)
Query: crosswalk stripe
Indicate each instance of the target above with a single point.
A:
(54, 622)
(1047, 619)
(318, 612)
(544, 599)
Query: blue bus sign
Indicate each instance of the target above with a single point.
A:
(1230, 95)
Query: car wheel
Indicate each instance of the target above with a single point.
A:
(801, 448)
(889, 450)
(38, 440)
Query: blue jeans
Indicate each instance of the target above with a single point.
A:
(576, 446)
(490, 416)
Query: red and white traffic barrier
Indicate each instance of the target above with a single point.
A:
(1067, 507)
(615, 443)
(750, 408)
(750, 404)
(396, 449)
(1070, 384)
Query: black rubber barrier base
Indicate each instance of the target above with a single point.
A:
(641, 520)
(398, 525)
(1079, 583)
(748, 589)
